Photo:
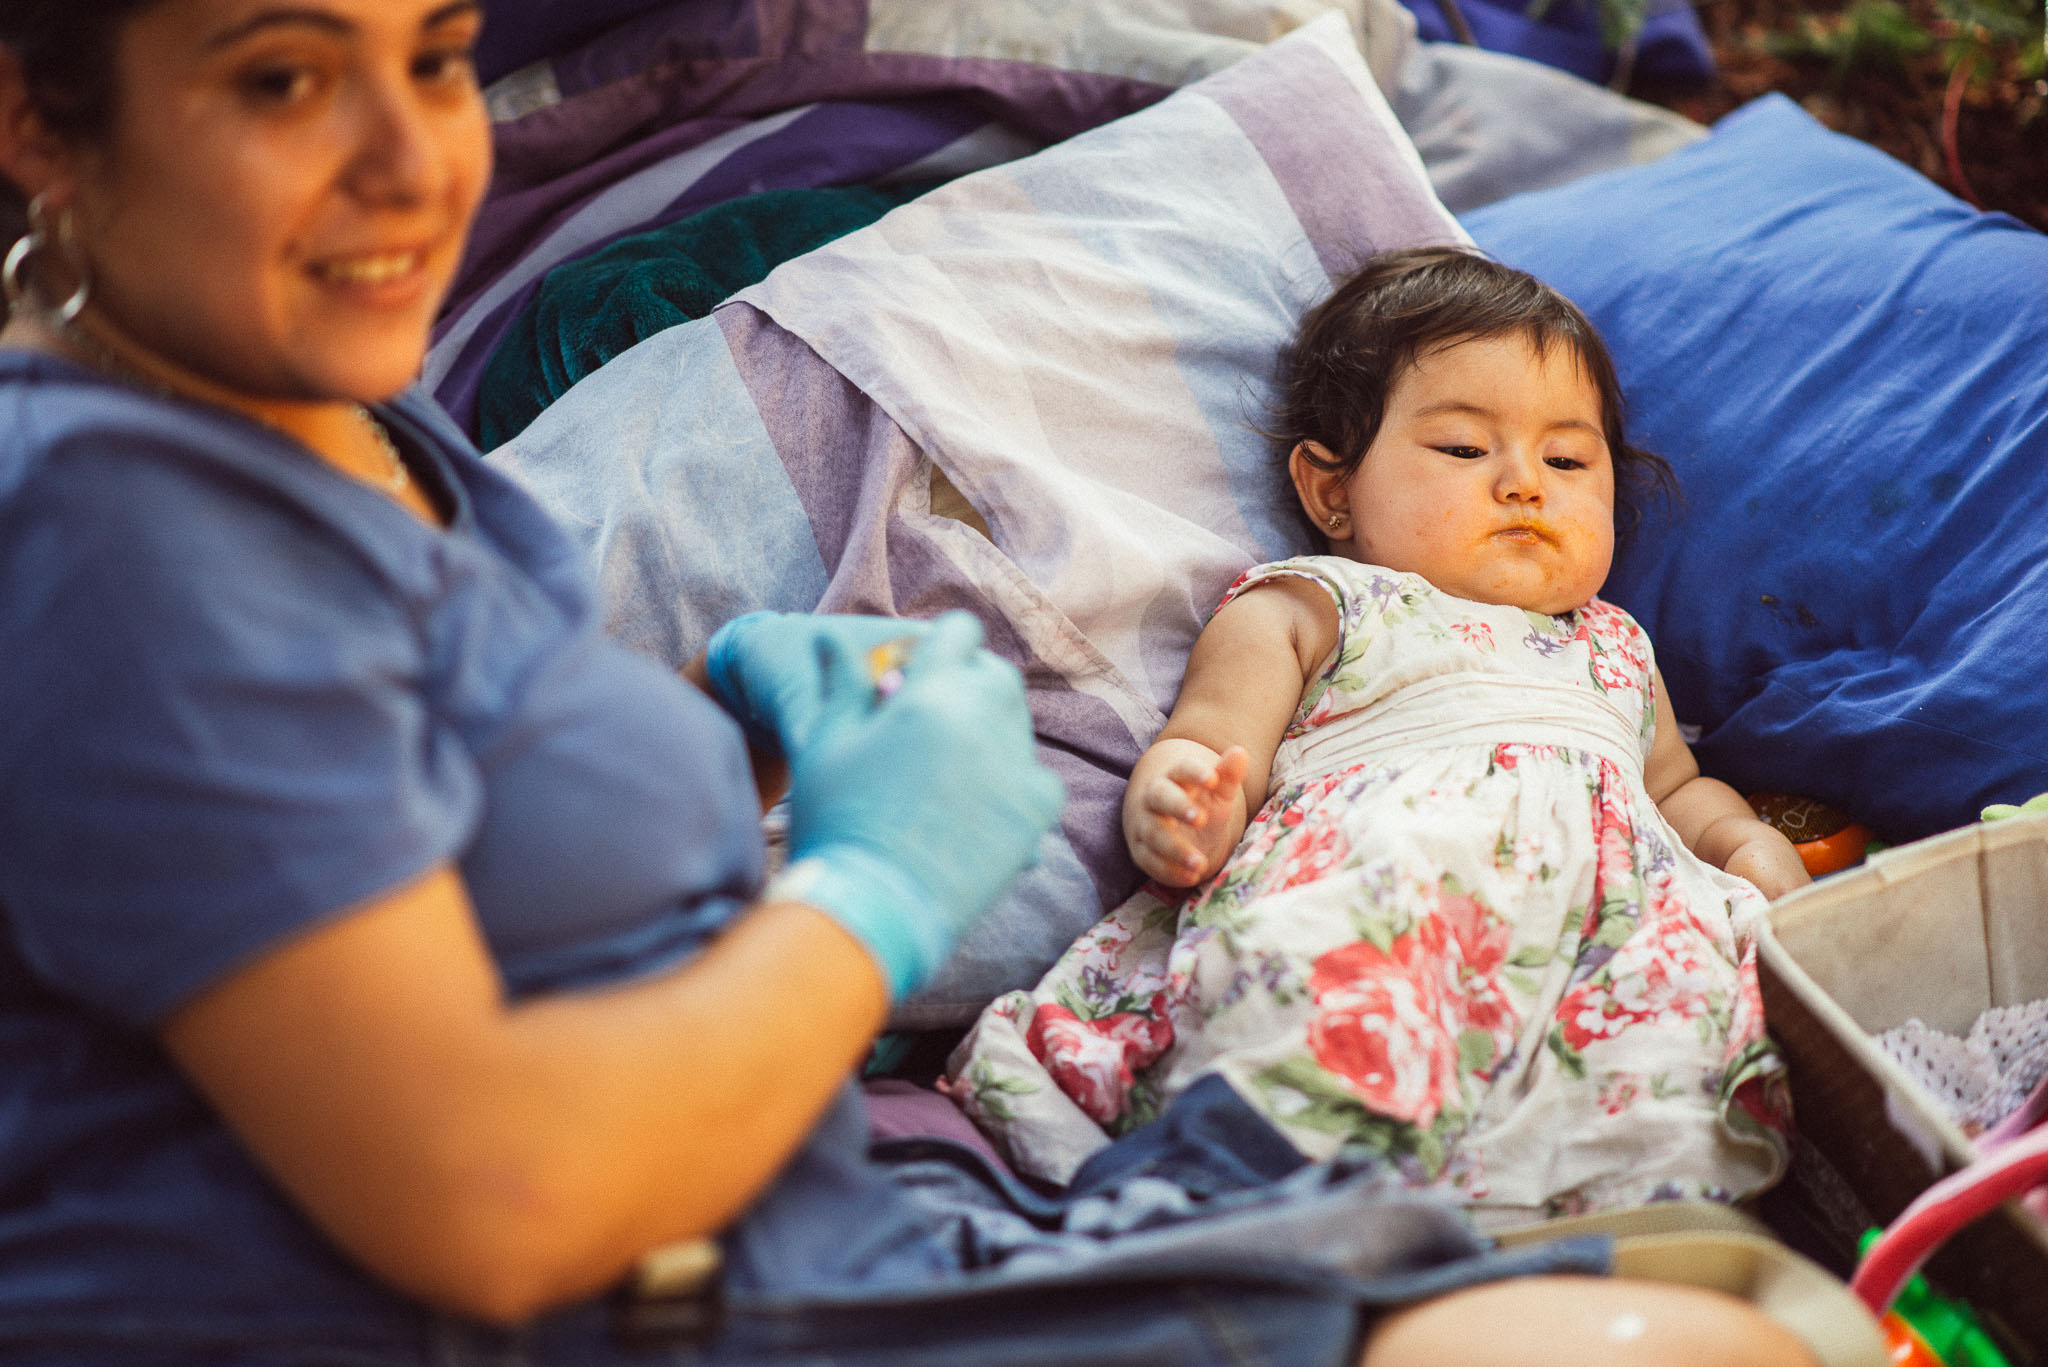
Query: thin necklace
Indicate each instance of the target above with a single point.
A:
(400, 477)
(103, 359)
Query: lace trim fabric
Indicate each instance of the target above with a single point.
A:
(1982, 1077)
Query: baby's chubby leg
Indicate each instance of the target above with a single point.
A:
(1583, 1322)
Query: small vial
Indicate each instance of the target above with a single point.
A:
(885, 665)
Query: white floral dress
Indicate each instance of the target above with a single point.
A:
(1459, 934)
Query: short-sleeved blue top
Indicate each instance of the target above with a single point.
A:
(240, 692)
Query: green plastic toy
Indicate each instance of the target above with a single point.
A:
(1999, 811)
(1945, 1328)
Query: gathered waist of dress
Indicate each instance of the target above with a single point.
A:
(1464, 710)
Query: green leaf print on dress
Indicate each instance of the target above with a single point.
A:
(989, 1091)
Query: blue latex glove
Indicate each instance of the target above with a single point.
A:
(766, 668)
(908, 814)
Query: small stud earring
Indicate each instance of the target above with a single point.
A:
(1336, 521)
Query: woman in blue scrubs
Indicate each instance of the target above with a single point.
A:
(387, 967)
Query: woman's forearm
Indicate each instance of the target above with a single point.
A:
(660, 1110)
(501, 1159)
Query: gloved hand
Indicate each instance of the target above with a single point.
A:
(908, 814)
(765, 667)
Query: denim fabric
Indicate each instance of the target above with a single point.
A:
(1208, 1141)
(1195, 1242)
(1200, 1239)
(1181, 1313)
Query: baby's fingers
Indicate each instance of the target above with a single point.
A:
(1230, 769)
(1210, 787)
(1163, 854)
(1167, 798)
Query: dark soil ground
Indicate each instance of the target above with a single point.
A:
(1984, 138)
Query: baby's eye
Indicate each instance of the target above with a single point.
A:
(1564, 463)
(1462, 452)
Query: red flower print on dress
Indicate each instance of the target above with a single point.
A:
(1767, 1102)
(1477, 997)
(1327, 706)
(1626, 635)
(1096, 1062)
(1611, 674)
(1619, 1092)
(1312, 855)
(1746, 1022)
(1660, 979)
(1614, 835)
(1235, 585)
(1379, 1027)
(1508, 754)
(1478, 635)
(1619, 651)
(1482, 937)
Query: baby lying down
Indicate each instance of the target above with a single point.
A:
(1435, 879)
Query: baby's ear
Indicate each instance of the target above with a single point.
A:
(1321, 488)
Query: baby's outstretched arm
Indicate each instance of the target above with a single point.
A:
(1712, 818)
(1193, 791)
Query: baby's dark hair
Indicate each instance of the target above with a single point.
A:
(1401, 306)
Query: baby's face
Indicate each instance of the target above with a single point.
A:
(1490, 478)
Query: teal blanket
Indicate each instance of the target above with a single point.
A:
(591, 309)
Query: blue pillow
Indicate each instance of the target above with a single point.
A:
(1848, 369)
(1671, 46)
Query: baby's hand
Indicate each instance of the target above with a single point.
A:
(1179, 827)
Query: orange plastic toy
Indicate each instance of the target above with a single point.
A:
(1827, 841)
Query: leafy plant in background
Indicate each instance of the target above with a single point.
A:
(1984, 27)
(1882, 35)
(1621, 24)
(1878, 35)
(1870, 35)
(1982, 33)
(1976, 41)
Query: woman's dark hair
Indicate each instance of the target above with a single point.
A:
(1401, 306)
(66, 51)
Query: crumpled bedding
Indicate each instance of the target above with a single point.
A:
(689, 107)
(1075, 341)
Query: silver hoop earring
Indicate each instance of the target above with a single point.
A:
(19, 292)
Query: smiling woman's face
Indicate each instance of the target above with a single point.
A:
(283, 196)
